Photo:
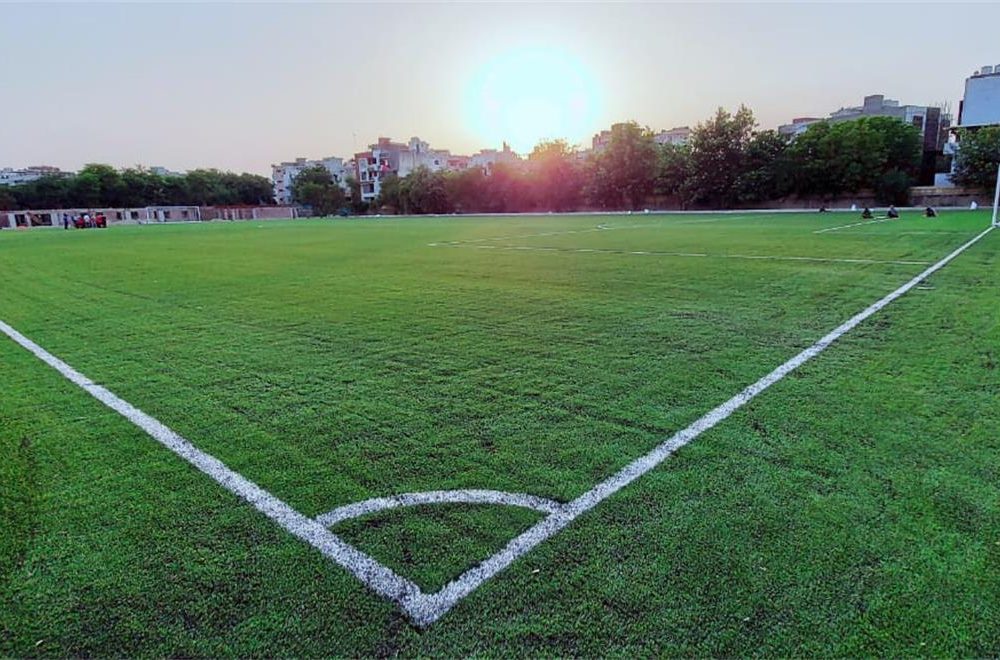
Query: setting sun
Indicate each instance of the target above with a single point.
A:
(532, 94)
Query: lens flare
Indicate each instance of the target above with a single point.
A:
(531, 94)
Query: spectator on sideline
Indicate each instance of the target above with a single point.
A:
(65, 220)
(892, 212)
(866, 214)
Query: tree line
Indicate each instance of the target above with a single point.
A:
(99, 185)
(726, 163)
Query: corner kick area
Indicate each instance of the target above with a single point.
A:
(359, 376)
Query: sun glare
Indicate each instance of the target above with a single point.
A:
(531, 94)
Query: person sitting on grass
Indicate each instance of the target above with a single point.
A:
(892, 212)
(930, 212)
(866, 214)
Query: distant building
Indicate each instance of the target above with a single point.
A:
(981, 104)
(386, 157)
(979, 108)
(486, 159)
(798, 126)
(13, 177)
(930, 121)
(675, 136)
(601, 140)
(283, 174)
(163, 171)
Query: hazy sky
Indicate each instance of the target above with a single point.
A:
(240, 86)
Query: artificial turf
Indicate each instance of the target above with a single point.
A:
(854, 508)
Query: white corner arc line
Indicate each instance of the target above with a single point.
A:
(370, 572)
(466, 496)
(427, 609)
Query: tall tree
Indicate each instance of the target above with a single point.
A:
(315, 187)
(556, 176)
(718, 156)
(623, 174)
(977, 157)
(766, 173)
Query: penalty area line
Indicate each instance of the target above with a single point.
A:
(658, 253)
(853, 224)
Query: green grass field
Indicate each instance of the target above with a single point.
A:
(853, 508)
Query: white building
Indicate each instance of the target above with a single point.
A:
(487, 158)
(12, 177)
(981, 104)
(676, 136)
(283, 174)
(979, 108)
(798, 126)
(386, 157)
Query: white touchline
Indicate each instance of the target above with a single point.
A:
(424, 609)
(853, 224)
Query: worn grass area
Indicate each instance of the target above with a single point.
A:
(852, 509)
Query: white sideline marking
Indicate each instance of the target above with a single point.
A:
(425, 609)
(377, 577)
(854, 224)
(431, 608)
(358, 509)
(655, 253)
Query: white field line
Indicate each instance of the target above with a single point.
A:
(431, 608)
(377, 577)
(424, 609)
(657, 253)
(853, 224)
(438, 497)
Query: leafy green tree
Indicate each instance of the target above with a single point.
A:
(8, 202)
(830, 159)
(766, 172)
(977, 158)
(426, 191)
(623, 174)
(467, 190)
(315, 187)
(718, 157)
(673, 169)
(556, 176)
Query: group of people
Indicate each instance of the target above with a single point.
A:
(892, 213)
(85, 221)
